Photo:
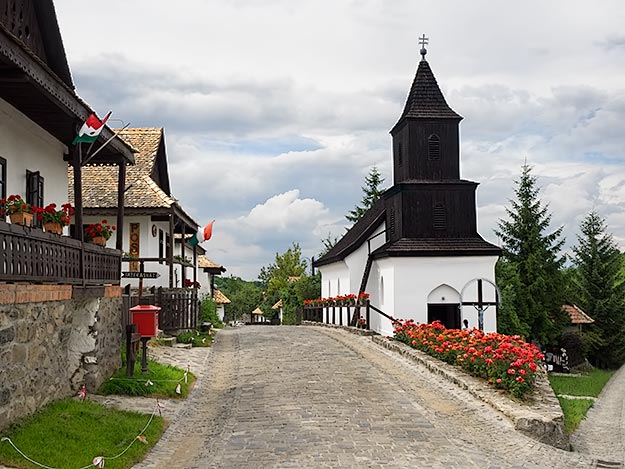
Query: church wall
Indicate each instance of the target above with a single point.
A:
(380, 287)
(331, 276)
(413, 279)
(357, 260)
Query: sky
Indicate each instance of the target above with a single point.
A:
(275, 110)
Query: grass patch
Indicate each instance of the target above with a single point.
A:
(196, 338)
(164, 378)
(574, 411)
(70, 433)
(589, 384)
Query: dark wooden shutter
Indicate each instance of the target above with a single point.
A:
(434, 147)
(440, 217)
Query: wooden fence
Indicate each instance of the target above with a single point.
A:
(30, 255)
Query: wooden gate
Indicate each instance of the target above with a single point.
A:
(179, 308)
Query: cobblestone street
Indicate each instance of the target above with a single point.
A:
(301, 397)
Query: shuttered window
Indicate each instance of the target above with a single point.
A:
(434, 147)
(440, 217)
(3, 178)
(34, 188)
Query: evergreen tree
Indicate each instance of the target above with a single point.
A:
(371, 193)
(536, 291)
(600, 291)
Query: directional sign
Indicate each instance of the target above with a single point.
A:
(140, 275)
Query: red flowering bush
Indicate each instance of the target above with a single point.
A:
(99, 229)
(340, 300)
(50, 214)
(507, 362)
(14, 204)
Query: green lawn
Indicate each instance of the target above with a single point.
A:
(165, 378)
(589, 384)
(70, 433)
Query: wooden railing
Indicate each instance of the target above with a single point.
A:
(30, 255)
(343, 314)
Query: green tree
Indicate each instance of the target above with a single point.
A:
(536, 292)
(244, 296)
(371, 193)
(600, 290)
(328, 243)
(285, 267)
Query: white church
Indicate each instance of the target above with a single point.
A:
(417, 251)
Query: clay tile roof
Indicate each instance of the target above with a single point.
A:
(100, 182)
(258, 311)
(204, 262)
(220, 298)
(577, 315)
(277, 305)
(425, 99)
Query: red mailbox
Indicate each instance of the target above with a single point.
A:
(146, 319)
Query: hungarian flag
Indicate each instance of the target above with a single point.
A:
(91, 129)
(204, 234)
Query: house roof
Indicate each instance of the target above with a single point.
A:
(425, 100)
(356, 235)
(100, 182)
(220, 298)
(277, 305)
(258, 311)
(577, 315)
(204, 262)
(425, 247)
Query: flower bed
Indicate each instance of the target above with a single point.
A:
(507, 362)
(342, 300)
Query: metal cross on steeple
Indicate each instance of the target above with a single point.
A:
(424, 41)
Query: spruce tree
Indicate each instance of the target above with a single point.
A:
(371, 193)
(535, 293)
(600, 291)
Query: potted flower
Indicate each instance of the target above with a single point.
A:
(54, 220)
(18, 210)
(99, 233)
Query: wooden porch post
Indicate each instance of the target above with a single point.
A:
(170, 251)
(195, 264)
(183, 229)
(78, 223)
(121, 189)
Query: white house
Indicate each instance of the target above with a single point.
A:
(417, 251)
(152, 216)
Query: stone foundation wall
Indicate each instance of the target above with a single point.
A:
(50, 347)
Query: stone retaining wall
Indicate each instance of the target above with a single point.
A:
(540, 417)
(50, 348)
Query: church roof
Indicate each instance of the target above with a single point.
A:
(356, 236)
(424, 247)
(425, 100)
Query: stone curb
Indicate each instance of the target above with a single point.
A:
(540, 419)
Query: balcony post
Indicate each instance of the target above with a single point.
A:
(121, 190)
(170, 251)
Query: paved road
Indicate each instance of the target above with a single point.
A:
(299, 397)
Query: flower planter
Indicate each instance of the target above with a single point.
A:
(22, 218)
(99, 240)
(52, 227)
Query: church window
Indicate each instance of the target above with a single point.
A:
(381, 291)
(392, 217)
(338, 286)
(434, 147)
(400, 153)
(440, 217)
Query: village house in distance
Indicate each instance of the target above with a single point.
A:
(417, 251)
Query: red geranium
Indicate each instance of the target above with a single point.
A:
(50, 214)
(95, 230)
(14, 204)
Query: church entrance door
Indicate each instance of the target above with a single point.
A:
(448, 314)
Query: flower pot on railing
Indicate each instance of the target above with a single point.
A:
(99, 240)
(52, 227)
(21, 218)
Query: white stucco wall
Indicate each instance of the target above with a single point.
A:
(148, 247)
(26, 146)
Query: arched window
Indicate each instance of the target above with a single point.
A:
(329, 288)
(400, 154)
(434, 147)
(338, 286)
(381, 291)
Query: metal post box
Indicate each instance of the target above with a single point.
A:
(146, 319)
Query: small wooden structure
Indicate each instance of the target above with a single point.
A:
(578, 317)
(258, 316)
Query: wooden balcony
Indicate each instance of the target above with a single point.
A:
(30, 255)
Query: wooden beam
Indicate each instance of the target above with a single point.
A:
(170, 251)
(121, 185)
(182, 254)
